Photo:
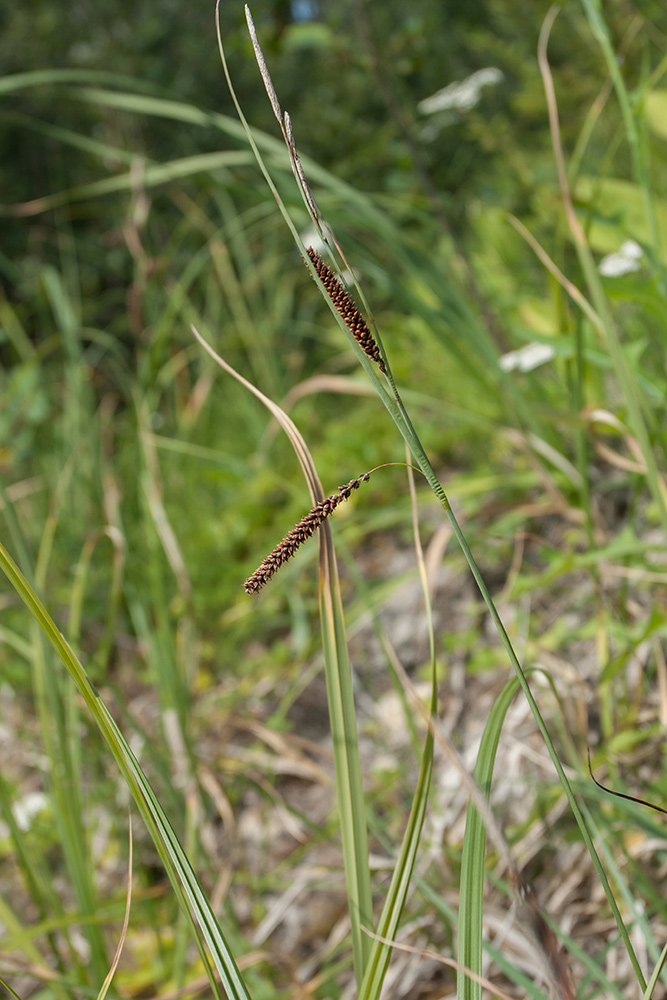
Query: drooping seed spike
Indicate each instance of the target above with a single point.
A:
(346, 308)
(301, 531)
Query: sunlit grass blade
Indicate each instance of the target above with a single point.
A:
(188, 891)
(471, 885)
(650, 986)
(13, 82)
(152, 175)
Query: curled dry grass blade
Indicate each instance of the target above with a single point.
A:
(126, 919)
(394, 405)
(339, 691)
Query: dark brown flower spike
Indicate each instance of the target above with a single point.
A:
(299, 533)
(352, 318)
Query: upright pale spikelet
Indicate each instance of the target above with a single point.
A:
(352, 318)
(299, 533)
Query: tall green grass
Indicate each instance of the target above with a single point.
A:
(129, 461)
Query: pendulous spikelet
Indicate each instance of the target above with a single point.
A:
(299, 533)
(352, 318)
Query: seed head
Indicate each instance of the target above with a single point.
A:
(352, 318)
(299, 533)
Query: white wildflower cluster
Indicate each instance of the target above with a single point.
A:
(447, 104)
(526, 358)
(462, 94)
(626, 260)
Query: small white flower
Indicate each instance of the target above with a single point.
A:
(25, 810)
(526, 358)
(623, 262)
(462, 94)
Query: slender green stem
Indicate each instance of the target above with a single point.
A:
(424, 464)
(394, 405)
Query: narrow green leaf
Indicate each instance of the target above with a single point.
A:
(471, 888)
(183, 878)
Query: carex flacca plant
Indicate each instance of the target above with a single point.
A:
(335, 281)
(352, 315)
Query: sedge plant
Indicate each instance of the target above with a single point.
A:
(372, 938)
